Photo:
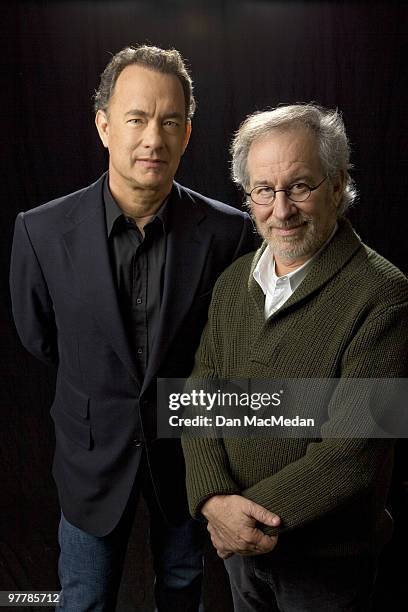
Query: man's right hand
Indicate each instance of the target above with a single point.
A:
(232, 521)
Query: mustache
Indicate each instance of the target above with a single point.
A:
(298, 219)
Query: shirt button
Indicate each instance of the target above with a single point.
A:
(139, 350)
(139, 301)
(137, 443)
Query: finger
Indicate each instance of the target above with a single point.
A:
(262, 515)
(255, 542)
(224, 554)
(220, 539)
(265, 544)
(217, 541)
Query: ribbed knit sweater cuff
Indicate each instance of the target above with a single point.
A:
(209, 475)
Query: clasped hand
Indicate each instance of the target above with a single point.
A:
(232, 524)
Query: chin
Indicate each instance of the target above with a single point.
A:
(298, 248)
(290, 254)
(289, 247)
(150, 183)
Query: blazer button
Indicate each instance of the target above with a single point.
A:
(137, 443)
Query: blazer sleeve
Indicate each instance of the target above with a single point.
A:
(31, 302)
(247, 239)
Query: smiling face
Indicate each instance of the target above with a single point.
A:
(145, 131)
(295, 231)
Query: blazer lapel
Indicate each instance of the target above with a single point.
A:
(186, 252)
(87, 246)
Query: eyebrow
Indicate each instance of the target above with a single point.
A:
(261, 182)
(136, 111)
(141, 113)
(300, 178)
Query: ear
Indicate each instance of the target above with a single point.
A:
(338, 187)
(102, 125)
(187, 135)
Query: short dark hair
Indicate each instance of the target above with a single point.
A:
(167, 61)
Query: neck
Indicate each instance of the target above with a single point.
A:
(283, 267)
(139, 204)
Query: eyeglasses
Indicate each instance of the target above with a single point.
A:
(263, 195)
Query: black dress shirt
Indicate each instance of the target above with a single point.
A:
(138, 269)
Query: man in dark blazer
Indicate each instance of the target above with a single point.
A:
(111, 285)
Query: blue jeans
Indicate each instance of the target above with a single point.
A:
(90, 567)
(279, 583)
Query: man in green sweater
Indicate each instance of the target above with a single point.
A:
(300, 522)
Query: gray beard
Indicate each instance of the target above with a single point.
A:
(286, 248)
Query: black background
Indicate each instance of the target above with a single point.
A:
(243, 56)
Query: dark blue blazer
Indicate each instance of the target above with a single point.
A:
(66, 311)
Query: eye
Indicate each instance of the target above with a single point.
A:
(135, 121)
(298, 188)
(263, 190)
(171, 123)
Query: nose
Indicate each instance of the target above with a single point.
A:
(153, 136)
(283, 208)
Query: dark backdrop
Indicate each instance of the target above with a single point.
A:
(244, 56)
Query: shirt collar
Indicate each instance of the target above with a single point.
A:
(114, 212)
(265, 274)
